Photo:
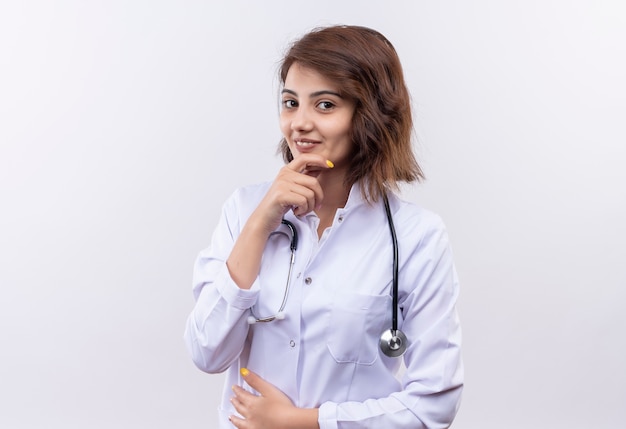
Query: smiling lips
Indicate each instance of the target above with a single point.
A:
(305, 144)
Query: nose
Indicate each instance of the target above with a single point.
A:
(301, 120)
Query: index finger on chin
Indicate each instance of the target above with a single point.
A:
(308, 161)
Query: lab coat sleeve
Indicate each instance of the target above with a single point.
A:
(217, 327)
(433, 380)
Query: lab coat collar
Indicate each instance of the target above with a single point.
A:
(355, 199)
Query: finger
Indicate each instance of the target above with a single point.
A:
(310, 161)
(255, 381)
(242, 396)
(290, 180)
(237, 405)
(293, 190)
(240, 407)
(238, 422)
(304, 200)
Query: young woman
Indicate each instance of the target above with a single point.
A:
(305, 273)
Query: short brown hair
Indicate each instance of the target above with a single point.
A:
(367, 69)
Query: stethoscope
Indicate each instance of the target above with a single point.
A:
(280, 314)
(393, 342)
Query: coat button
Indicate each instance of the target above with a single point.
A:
(308, 280)
(292, 343)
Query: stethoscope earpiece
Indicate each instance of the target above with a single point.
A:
(393, 343)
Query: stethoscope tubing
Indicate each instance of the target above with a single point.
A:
(394, 241)
(293, 247)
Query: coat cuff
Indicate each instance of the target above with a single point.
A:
(327, 418)
(235, 296)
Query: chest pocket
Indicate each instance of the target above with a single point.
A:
(355, 324)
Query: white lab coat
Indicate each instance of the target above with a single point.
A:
(325, 352)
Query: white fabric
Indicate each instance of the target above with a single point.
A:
(325, 352)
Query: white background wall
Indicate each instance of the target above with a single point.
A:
(125, 124)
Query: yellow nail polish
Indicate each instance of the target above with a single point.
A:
(330, 163)
(244, 371)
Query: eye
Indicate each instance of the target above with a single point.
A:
(289, 103)
(325, 105)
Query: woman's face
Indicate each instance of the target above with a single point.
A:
(314, 118)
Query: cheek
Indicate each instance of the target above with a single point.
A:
(342, 131)
(340, 126)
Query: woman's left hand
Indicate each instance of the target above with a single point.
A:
(271, 409)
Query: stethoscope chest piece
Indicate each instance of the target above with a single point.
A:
(393, 343)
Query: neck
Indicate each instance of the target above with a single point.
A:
(335, 196)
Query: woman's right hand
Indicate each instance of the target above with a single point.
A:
(296, 187)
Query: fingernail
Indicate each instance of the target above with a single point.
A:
(330, 163)
(244, 371)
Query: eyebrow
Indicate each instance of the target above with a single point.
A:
(314, 94)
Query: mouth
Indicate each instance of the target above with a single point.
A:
(305, 143)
